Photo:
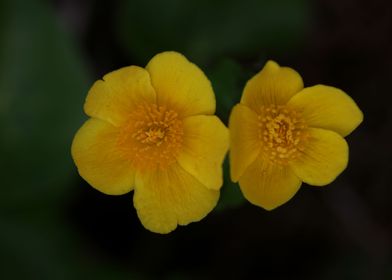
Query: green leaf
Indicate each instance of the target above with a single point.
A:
(42, 87)
(228, 79)
(43, 84)
(231, 196)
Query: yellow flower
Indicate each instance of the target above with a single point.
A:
(153, 131)
(282, 134)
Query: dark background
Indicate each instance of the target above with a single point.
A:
(53, 225)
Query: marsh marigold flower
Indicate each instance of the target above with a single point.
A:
(283, 134)
(153, 131)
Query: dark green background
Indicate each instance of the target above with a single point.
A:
(53, 225)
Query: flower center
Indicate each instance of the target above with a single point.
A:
(152, 137)
(282, 132)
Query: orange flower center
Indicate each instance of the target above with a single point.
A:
(152, 137)
(282, 132)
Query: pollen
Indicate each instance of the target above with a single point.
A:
(152, 137)
(282, 133)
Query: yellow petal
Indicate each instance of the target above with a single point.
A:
(244, 140)
(181, 85)
(268, 185)
(272, 85)
(99, 161)
(206, 141)
(165, 198)
(329, 108)
(324, 157)
(118, 94)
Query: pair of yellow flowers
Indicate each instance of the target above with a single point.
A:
(153, 131)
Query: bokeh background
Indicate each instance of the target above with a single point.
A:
(53, 225)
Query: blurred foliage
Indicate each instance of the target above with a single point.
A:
(205, 30)
(42, 88)
(42, 85)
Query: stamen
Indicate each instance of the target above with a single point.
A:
(152, 137)
(282, 132)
